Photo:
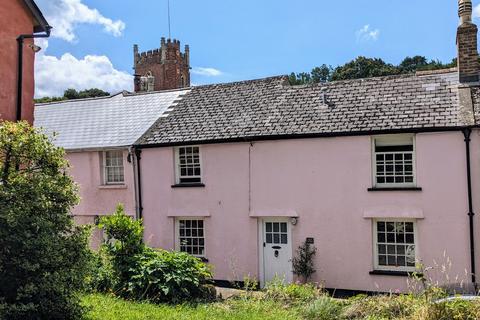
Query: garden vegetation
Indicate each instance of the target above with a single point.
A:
(43, 255)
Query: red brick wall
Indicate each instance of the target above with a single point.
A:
(168, 68)
(16, 20)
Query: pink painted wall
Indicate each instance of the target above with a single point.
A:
(325, 182)
(16, 20)
(97, 199)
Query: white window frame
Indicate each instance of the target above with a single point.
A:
(376, 264)
(177, 235)
(104, 168)
(178, 176)
(394, 138)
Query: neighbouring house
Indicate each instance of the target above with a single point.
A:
(97, 135)
(22, 21)
(379, 174)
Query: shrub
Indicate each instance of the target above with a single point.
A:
(168, 276)
(102, 277)
(43, 256)
(324, 308)
(124, 241)
(136, 271)
(303, 261)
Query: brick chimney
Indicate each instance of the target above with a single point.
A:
(468, 64)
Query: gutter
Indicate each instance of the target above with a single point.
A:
(293, 136)
(20, 41)
(138, 189)
(466, 133)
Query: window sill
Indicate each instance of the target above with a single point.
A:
(189, 185)
(394, 189)
(394, 273)
(112, 186)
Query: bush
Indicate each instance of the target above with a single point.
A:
(124, 241)
(168, 276)
(134, 271)
(102, 277)
(324, 308)
(303, 261)
(43, 256)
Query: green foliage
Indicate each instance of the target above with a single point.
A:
(363, 67)
(107, 307)
(303, 261)
(72, 94)
(324, 308)
(290, 293)
(168, 276)
(451, 310)
(103, 277)
(134, 271)
(382, 306)
(43, 256)
(124, 241)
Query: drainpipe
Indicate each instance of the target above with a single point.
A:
(466, 133)
(138, 157)
(20, 42)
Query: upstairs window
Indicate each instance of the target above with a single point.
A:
(188, 165)
(394, 161)
(113, 167)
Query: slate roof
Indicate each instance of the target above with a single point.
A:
(270, 107)
(97, 123)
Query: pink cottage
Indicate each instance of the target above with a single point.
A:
(379, 174)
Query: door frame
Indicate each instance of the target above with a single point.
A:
(261, 248)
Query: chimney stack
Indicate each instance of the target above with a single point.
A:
(468, 64)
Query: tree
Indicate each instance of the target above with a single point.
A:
(43, 255)
(363, 67)
(412, 64)
(72, 94)
(321, 74)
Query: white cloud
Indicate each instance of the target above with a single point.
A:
(53, 75)
(208, 72)
(367, 34)
(476, 11)
(65, 15)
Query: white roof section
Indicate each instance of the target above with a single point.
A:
(115, 121)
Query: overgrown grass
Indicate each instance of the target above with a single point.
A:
(292, 301)
(105, 307)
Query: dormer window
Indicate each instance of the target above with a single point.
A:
(394, 161)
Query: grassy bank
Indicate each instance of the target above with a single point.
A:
(288, 302)
(104, 307)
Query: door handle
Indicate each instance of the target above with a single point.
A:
(276, 247)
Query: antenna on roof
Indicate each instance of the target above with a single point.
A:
(169, 33)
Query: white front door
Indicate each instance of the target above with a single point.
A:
(277, 250)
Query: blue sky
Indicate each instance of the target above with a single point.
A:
(237, 40)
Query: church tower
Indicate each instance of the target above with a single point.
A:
(162, 69)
